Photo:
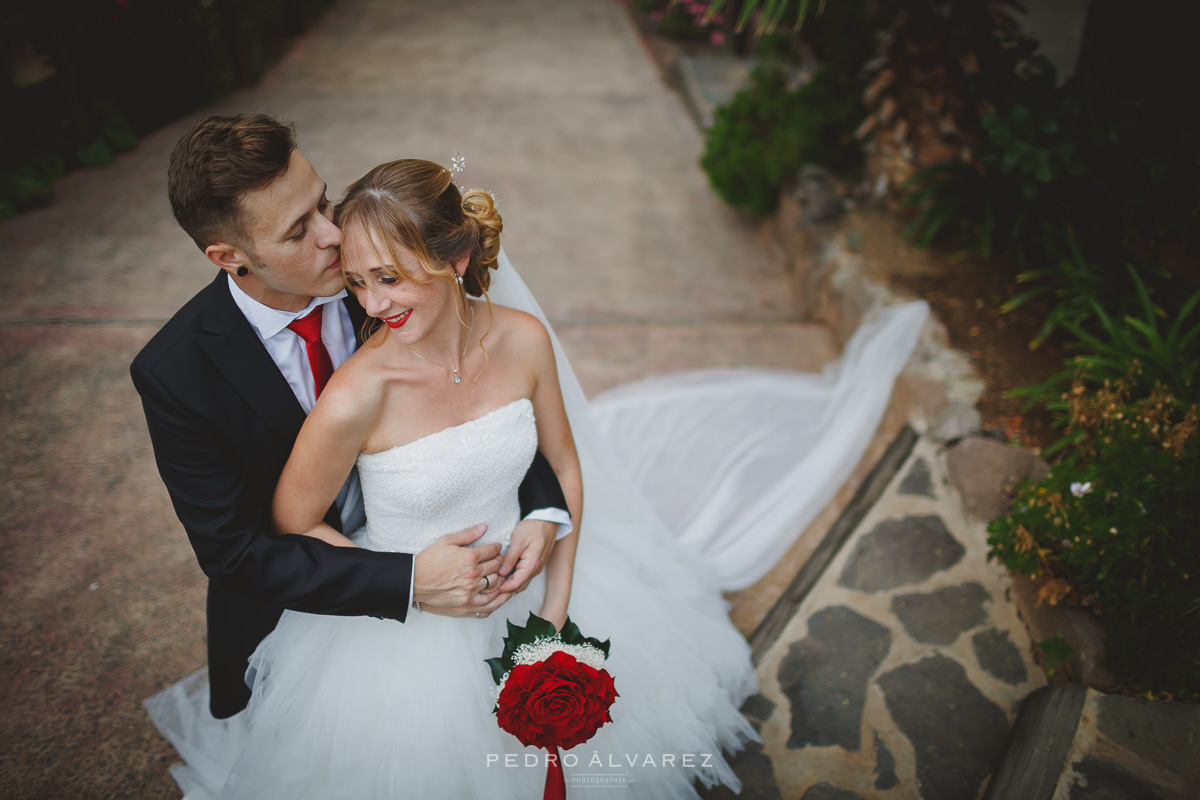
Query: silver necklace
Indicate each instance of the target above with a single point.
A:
(453, 370)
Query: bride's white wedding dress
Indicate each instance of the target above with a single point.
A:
(736, 462)
(366, 708)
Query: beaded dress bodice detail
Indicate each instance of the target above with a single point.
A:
(448, 481)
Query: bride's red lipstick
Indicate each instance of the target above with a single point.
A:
(397, 321)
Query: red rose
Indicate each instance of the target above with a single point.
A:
(558, 702)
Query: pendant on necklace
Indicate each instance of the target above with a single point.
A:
(456, 378)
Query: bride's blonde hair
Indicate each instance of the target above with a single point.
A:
(414, 203)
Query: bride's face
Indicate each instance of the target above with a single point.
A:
(404, 296)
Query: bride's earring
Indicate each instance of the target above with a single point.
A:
(458, 279)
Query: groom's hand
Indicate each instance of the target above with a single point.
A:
(532, 541)
(456, 580)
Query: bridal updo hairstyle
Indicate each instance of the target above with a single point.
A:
(415, 203)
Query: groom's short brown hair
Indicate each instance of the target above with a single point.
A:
(217, 162)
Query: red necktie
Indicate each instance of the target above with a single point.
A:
(309, 329)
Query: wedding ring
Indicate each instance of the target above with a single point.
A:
(486, 583)
(477, 615)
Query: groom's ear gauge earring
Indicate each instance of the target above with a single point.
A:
(243, 272)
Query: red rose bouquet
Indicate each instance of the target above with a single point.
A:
(553, 690)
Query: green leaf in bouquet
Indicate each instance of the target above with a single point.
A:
(498, 667)
(538, 628)
(571, 634)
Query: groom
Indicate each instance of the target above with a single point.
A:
(227, 383)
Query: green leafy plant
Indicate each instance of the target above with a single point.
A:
(1052, 174)
(1113, 526)
(1016, 195)
(1056, 652)
(683, 20)
(772, 13)
(1147, 348)
(759, 140)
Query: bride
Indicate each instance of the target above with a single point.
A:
(441, 411)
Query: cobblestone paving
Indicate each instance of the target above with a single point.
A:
(899, 675)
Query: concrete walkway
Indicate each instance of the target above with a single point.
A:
(559, 111)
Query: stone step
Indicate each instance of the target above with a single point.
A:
(1074, 743)
(1036, 753)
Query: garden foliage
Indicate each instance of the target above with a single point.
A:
(1113, 526)
(762, 137)
(110, 70)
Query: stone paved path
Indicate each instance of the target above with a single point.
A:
(559, 111)
(899, 674)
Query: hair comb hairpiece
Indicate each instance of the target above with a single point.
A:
(457, 165)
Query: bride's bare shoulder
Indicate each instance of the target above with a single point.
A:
(522, 329)
(355, 390)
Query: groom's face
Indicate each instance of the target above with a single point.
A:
(294, 246)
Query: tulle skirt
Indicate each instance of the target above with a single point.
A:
(361, 708)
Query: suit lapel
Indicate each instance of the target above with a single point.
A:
(235, 350)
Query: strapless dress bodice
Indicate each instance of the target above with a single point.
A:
(449, 480)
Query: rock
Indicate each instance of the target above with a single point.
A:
(1096, 779)
(957, 421)
(1166, 735)
(817, 193)
(918, 481)
(939, 617)
(1085, 633)
(957, 734)
(757, 773)
(984, 472)
(826, 791)
(826, 674)
(999, 657)
(885, 765)
(900, 551)
(758, 709)
(1079, 626)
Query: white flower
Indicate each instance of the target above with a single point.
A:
(1080, 489)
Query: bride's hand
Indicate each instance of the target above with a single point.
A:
(532, 541)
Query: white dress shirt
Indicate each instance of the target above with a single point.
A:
(288, 352)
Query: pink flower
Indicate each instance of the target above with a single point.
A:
(717, 37)
(697, 8)
(655, 16)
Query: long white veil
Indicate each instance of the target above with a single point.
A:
(733, 463)
(612, 501)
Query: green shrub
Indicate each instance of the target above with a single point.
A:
(1148, 347)
(1017, 195)
(1114, 526)
(1117, 183)
(768, 130)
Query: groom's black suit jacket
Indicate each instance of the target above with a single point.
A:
(223, 420)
